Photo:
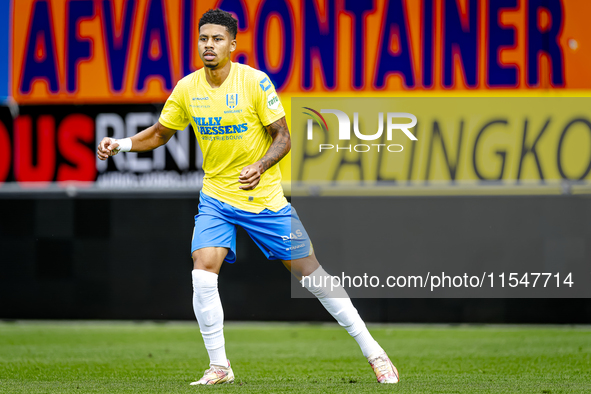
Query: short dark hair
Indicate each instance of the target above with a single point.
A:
(222, 18)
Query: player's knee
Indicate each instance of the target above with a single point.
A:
(206, 261)
(304, 266)
(323, 285)
(204, 282)
(205, 293)
(209, 259)
(310, 267)
(196, 259)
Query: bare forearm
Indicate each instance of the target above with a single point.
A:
(146, 140)
(150, 138)
(280, 146)
(250, 175)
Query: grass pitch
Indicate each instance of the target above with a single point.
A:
(107, 357)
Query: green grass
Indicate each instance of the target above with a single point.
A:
(107, 357)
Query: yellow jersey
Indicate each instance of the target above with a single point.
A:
(229, 124)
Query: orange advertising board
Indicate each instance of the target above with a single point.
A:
(133, 51)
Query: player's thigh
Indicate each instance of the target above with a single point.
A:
(280, 235)
(215, 232)
(209, 258)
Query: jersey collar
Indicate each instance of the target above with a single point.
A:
(230, 75)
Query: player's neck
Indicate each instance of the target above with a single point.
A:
(216, 77)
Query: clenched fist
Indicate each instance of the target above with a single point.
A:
(107, 147)
(250, 176)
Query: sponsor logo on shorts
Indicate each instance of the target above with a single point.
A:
(295, 247)
(298, 234)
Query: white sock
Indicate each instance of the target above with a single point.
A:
(338, 304)
(210, 315)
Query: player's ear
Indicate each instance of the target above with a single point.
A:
(233, 46)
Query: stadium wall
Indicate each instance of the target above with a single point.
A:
(87, 239)
(68, 257)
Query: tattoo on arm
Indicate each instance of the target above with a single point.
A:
(280, 146)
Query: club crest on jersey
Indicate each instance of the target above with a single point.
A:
(232, 100)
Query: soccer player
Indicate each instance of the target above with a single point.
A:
(241, 128)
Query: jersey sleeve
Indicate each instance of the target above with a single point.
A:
(267, 103)
(173, 114)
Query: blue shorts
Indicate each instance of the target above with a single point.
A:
(280, 235)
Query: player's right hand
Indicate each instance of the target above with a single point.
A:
(107, 147)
